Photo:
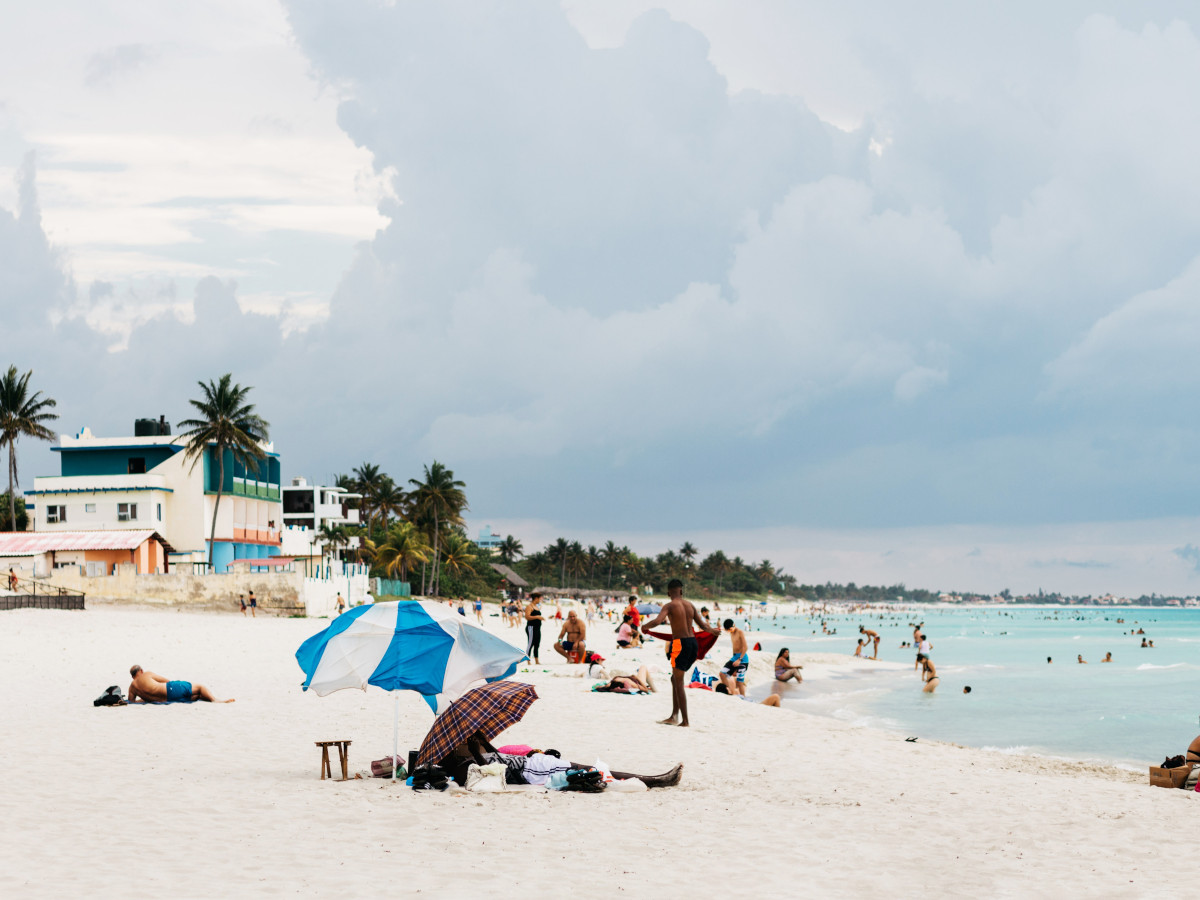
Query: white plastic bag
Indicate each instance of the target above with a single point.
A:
(627, 786)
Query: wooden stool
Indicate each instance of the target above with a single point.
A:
(343, 749)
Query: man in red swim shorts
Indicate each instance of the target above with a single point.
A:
(682, 649)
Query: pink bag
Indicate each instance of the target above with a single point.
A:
(515, 749)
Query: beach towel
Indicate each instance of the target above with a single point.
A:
(704, 640)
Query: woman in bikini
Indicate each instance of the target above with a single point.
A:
(629, 684)
(784, 670)
(928, 674)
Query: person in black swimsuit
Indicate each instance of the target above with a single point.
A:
(533, 628)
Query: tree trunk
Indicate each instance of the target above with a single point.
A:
(212, 534)
(12, 500)
(437, 534)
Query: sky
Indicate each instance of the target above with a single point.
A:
(881, 292)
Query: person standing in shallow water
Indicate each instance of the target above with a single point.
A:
(682, 649)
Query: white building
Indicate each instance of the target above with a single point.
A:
(143, 482)
(308, 507)
(488, 539)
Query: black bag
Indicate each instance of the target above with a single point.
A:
(112, 696)
(590, 781)
(429, 778)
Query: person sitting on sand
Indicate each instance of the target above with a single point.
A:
(784, 670)
(859, 649)
(572, 638)
(928, 674)
(625, 632)
(147, 687)
(641, 683)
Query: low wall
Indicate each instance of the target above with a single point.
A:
(283, 593)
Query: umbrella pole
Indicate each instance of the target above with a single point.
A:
(395, 733)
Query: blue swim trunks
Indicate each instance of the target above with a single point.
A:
(179, 690)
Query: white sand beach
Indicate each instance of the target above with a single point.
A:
(208, 800)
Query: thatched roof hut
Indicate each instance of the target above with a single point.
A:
(512, 577)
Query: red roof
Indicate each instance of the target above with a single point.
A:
(47, 541)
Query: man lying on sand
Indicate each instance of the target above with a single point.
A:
(479, 750)
(147, 687)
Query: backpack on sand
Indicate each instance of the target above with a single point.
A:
(112, 696)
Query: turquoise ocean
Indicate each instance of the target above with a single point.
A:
(1142, 706)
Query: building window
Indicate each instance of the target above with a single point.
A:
(126, 512)
(137, 465)
(56, 514)
(159, 512)
(89, 507)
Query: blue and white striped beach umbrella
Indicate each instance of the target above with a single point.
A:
(418, 645)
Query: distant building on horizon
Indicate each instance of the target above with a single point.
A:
(488, 540)
(143, 482)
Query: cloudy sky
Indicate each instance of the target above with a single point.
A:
(881, 291)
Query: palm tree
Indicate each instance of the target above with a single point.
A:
(766, 574)
(367, 478)
(593, 557)
(404, 546)
(331, 538)
(720, 565)
(576, 560)
(559, 551)
(510, 548)
(611, 555)
(366, 549)
(230, 423)
(688, 551)
(459, 556)
(390, 500)
(442, 495)
(538, 566)
(635, 567)
(21, 415)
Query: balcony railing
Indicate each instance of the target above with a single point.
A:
(248, 487)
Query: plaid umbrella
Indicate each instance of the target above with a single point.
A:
(489, 708)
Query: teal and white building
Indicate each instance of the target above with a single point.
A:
(143, 482)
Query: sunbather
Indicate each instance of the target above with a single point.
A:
(641, 683)
(476, 749)
(784, 670)
(147, 687)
